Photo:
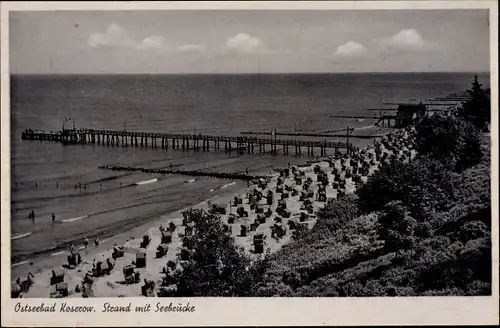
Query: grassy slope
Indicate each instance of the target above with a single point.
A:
(342, 255)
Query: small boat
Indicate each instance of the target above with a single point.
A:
(190, 181)
(23, 235)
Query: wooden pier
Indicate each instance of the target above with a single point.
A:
(374, 117)
(386, 120)
(195, 142)
(317, 135)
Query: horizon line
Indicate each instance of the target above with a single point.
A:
(257, 73)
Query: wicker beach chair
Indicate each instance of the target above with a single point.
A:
(161, 250)
(145, 241)
(243, 230)
(140, 260)
(129, 274)
(57, 276)
(62, 288)
(118, 251)
(15, 290)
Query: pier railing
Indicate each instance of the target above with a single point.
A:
(202, 142)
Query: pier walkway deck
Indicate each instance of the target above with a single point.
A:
(187, 141)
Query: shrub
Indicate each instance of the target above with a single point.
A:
(396, 227)
(334, 215)
(472, 230)
(456, 265)
(383, 186)
(274, 290)
(300, 232)
(451, 140)
(422, 185)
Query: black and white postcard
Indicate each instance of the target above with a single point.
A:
(249, 163)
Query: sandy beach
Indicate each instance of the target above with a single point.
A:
(271, 208)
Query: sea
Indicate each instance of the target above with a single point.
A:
(64, 180)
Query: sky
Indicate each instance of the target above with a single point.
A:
(224, 41)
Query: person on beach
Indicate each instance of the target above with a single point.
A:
(246, 170)
(57, 184)
(53, 218)
(96, 241)
(72, 249)
(33, 216)
(86, 242)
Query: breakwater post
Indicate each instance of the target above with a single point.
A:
(220, 175)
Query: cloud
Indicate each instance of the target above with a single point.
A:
(152, 42)
(116, 36)
(350, 49)
(406, 40)
(243, 43)
(191, 48)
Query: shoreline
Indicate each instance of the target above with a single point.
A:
(131, 238)
(46, 253)
(23, 267)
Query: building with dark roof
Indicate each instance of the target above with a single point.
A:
(409, 114)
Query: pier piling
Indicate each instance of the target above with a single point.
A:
(198, 142)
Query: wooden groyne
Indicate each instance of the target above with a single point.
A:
(220, 175)
(187, 141)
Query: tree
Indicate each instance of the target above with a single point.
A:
(477, 108)
(450, 139)
(422, 185)
(383, 186)
(396, 227)
(215, 266)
